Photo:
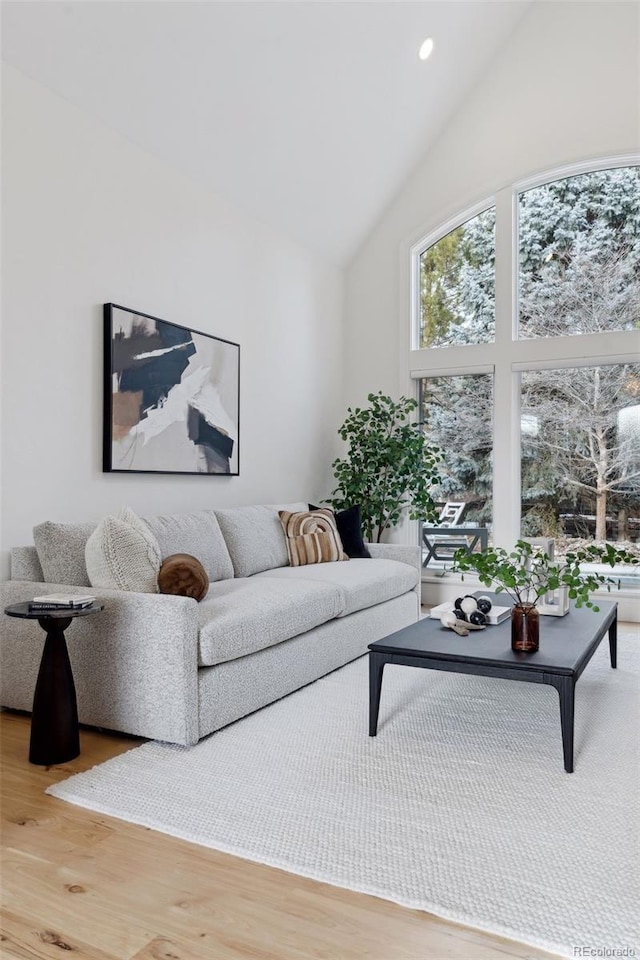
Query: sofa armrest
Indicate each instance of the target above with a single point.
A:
(135, 664)
(404, 553)
(397, 551)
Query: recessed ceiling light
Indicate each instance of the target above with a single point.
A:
(426, 48)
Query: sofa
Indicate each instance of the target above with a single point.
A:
(168, 668)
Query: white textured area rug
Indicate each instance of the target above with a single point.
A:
(460, 806)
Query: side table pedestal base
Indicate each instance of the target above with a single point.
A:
(54, 722)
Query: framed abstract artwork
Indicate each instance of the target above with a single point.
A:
(171, 397)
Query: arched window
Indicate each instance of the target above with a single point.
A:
(526, 333)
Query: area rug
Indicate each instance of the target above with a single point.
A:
(460, 806)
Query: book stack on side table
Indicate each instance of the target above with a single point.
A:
(61, 601)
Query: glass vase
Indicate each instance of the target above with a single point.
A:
(525, 628)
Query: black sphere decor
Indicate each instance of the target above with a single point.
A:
(460, 614)
(457, 602)
(478, 618)
(484, 604)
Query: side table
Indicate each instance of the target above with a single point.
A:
(55, 734)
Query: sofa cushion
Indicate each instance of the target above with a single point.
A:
(363, 583)
(197, 534)
(60, 549)
(311, 537)
(123, 554)
(241, 616)
(255, 537)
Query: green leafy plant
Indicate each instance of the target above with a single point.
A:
(389, 465)
(527, 575)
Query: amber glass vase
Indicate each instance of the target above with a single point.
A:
(525, 628)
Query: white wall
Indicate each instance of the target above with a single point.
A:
(89, 218)
(565, 88)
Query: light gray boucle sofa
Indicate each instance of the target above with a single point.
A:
(168, 668)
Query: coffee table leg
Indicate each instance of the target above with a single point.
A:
(54, 722)
(376, 666)
(566, 687)
(613, 643)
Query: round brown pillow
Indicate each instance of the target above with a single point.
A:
(183, 575)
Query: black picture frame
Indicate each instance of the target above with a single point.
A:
(171, 397)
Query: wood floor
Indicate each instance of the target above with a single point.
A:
(85, 885)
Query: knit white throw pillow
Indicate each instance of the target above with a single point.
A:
(123, 554)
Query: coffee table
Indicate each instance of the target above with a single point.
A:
(566, 646)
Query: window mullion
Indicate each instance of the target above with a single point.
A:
(506, 265)
(506, 393)
(506, 456)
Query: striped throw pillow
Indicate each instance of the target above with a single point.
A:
(312, 537)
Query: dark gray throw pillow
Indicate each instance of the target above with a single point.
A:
(349, 524)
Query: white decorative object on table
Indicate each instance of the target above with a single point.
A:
(468, 605)
(555, 603)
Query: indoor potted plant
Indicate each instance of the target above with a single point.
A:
(389, 465)
(528, 575)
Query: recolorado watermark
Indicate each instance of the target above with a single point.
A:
(588, 951)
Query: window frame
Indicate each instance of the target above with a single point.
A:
(507, 356)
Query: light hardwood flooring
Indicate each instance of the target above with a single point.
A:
(80, 884)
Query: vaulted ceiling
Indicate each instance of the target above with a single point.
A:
(307, 115)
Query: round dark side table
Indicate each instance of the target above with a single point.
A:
(55, 736)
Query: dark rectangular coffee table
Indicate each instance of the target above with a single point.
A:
(566, 646)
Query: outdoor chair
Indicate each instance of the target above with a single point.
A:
(441, 542)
